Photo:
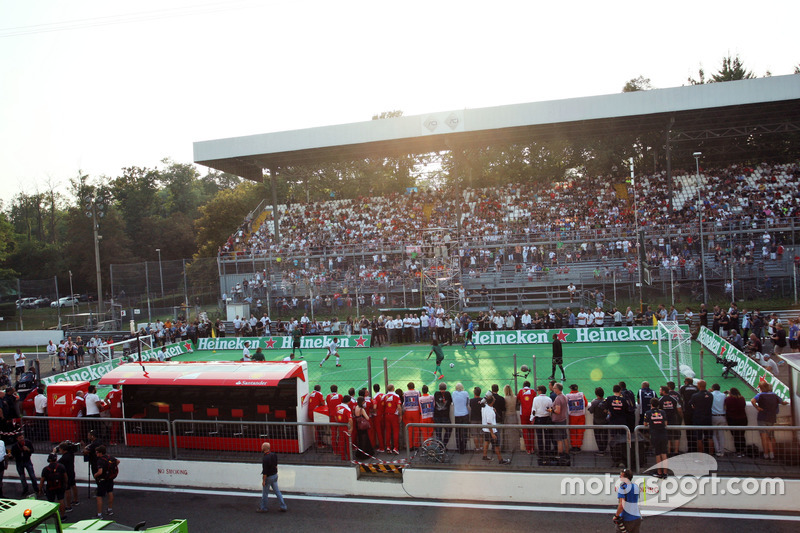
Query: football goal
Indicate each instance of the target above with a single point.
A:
(674, 350)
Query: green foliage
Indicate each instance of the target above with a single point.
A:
(732, 69)
(7, 246)
(220, 217)
(637, 84)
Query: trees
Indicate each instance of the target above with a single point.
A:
(637, 84)
(220, 217)
(732, 69)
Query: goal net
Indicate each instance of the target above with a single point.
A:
(114, 350)
(674, 350)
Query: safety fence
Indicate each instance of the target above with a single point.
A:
(191, 439)
(534, 447)
(588, 448)
(726, 450)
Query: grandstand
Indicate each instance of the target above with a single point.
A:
(522, 244)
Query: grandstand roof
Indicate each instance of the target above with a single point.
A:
(701, 113)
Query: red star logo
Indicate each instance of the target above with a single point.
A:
(188, 346)
(562, 336)
(270, 343)
(722, 351)
(360, 341)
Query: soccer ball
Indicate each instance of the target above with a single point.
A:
(452, 365)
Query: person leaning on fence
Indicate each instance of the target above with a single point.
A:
(540, 416)
(489, 418)
(377, 420)
(599, 418)
(655, 419)
(767, 404)
(736, 415)
(461, 415)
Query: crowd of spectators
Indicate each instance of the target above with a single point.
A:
(549, 410)
(734, 193)
(347, 242)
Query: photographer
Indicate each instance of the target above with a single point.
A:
(754, 345)
(736, 340)
(89, 451)
(68, 449)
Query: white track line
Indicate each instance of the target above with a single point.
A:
(381, 371)
(458, 505)
(656, 362)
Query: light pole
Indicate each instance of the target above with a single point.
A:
(640, 244)
(160, 273)
(700, 222)
(72, 294)
(95, 203)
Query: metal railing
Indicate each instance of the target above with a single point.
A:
(537, 444)
(592, 448)
(742, 449)
(212, 440)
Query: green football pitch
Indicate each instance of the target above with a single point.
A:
(589, 365)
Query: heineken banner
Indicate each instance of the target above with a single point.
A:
(282, 343)
(171, 350)
(86, 373)
(545, 336)
(747, 369)
(95, 372)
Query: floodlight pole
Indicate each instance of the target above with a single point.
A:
(638, 240)
(160, 272)
(700, 222)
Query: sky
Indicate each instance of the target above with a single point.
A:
(95, 86)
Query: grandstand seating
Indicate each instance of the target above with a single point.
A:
(366, 240)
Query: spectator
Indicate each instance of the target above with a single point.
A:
(461, 414)
(599, 418)
(21, 451)
(767, 404)
(736, 416)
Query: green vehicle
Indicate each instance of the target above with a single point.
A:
(35, 516)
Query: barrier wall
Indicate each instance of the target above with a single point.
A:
(502, 487)
(579, 335)
(749, 370)
(30, 338)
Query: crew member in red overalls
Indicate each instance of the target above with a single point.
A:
(391, 415)
(378, 430)
(315, 399)
(333, 400)
(344, 415)
(114, 403)
(525, 398)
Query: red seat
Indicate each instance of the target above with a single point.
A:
(238, 413)
(213, 412)
(164, 408)
(264, 410)
(188, 408)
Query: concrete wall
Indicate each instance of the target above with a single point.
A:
(502, 487)
(30, 338)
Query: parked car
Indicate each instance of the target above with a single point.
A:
(66, 301)
(26, 303)
(42, 302)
